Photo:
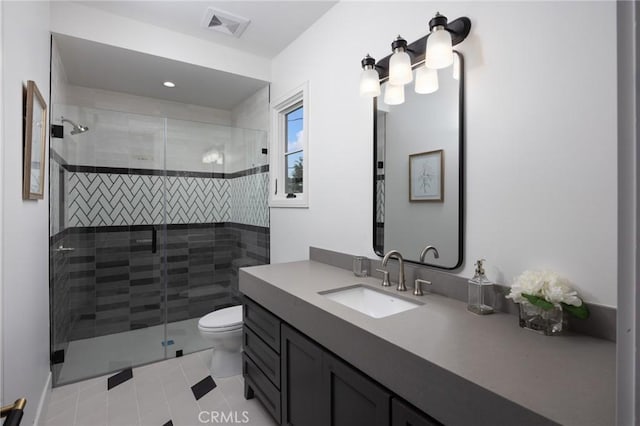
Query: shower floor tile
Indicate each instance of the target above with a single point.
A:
(157, 393)
(111, 353)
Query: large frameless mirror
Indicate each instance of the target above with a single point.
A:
(419, 172)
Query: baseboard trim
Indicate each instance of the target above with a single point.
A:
(43, 404)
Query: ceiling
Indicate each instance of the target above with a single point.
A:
(101, 66)
(274, 24)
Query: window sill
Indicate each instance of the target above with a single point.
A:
(300, 203)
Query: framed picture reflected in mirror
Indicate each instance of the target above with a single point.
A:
(426, 177)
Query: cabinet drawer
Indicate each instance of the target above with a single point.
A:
(262, 355)
(261, 386)
(263, 323)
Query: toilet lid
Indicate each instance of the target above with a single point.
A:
(223, 318)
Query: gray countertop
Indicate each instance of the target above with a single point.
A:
(456, 366)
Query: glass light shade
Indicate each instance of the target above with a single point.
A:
(439, 52)
(400, 68)
(369, 83)
(394, 94)
(456, 67)
(426, 80)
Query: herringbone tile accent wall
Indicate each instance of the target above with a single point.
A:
(105, 199)
(380, 200)
(249, 204)
(197, 200)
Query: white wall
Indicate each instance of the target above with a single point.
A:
(253, 112)
(540, 137)
(252, 116)
(192, 131)
(124, 102)
(58, 92)
(128, 131)
(25, 310)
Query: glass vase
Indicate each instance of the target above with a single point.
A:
(544, 321)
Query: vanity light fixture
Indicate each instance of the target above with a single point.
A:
(169, 84)
(369, 80)
(426, 80)
(432, 52)
(400, 63)
(394, 94)
(439, 49)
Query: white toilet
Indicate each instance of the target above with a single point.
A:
(223, 328)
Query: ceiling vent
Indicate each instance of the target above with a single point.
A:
(225, 22)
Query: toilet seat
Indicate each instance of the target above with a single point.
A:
(226, 319)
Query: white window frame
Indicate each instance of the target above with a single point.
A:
(279, 110)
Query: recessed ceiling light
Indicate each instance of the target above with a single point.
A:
(169, 84)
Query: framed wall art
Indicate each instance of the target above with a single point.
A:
(35, 140)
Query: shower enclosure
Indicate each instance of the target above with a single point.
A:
(150, 220)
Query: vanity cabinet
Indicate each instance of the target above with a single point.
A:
(403, 414)
(301, 380)
(261, 356)
(310, 386)
(350, 398)
(318, 389)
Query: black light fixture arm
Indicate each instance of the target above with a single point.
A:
(458, 28)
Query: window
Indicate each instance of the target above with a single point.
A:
(293, 150)
(289, 171)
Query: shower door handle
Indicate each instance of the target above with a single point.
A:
(154, 240)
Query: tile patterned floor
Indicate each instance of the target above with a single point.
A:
(158, 394)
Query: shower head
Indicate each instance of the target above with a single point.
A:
(77, 128)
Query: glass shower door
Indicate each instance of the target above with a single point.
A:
(106, 247)
(151, 220)
(217, 219)
(197, 243)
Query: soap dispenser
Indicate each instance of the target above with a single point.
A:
(479, 289)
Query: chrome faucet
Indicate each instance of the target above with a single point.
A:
(397, 255)
(426, 250)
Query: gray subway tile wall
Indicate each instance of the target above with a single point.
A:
(112, 281)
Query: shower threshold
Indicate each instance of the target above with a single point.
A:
(101, 355)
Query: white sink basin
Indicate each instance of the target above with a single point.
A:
(375, 303)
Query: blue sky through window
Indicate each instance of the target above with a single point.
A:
(295, 126)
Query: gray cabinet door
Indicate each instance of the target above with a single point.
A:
(350, 398)
(402, 414)
(301, 383)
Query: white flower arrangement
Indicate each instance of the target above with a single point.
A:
(546, 289)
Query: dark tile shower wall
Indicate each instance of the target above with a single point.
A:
(60, 319)
(251, 247)
(198, 262)
(112, 281)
